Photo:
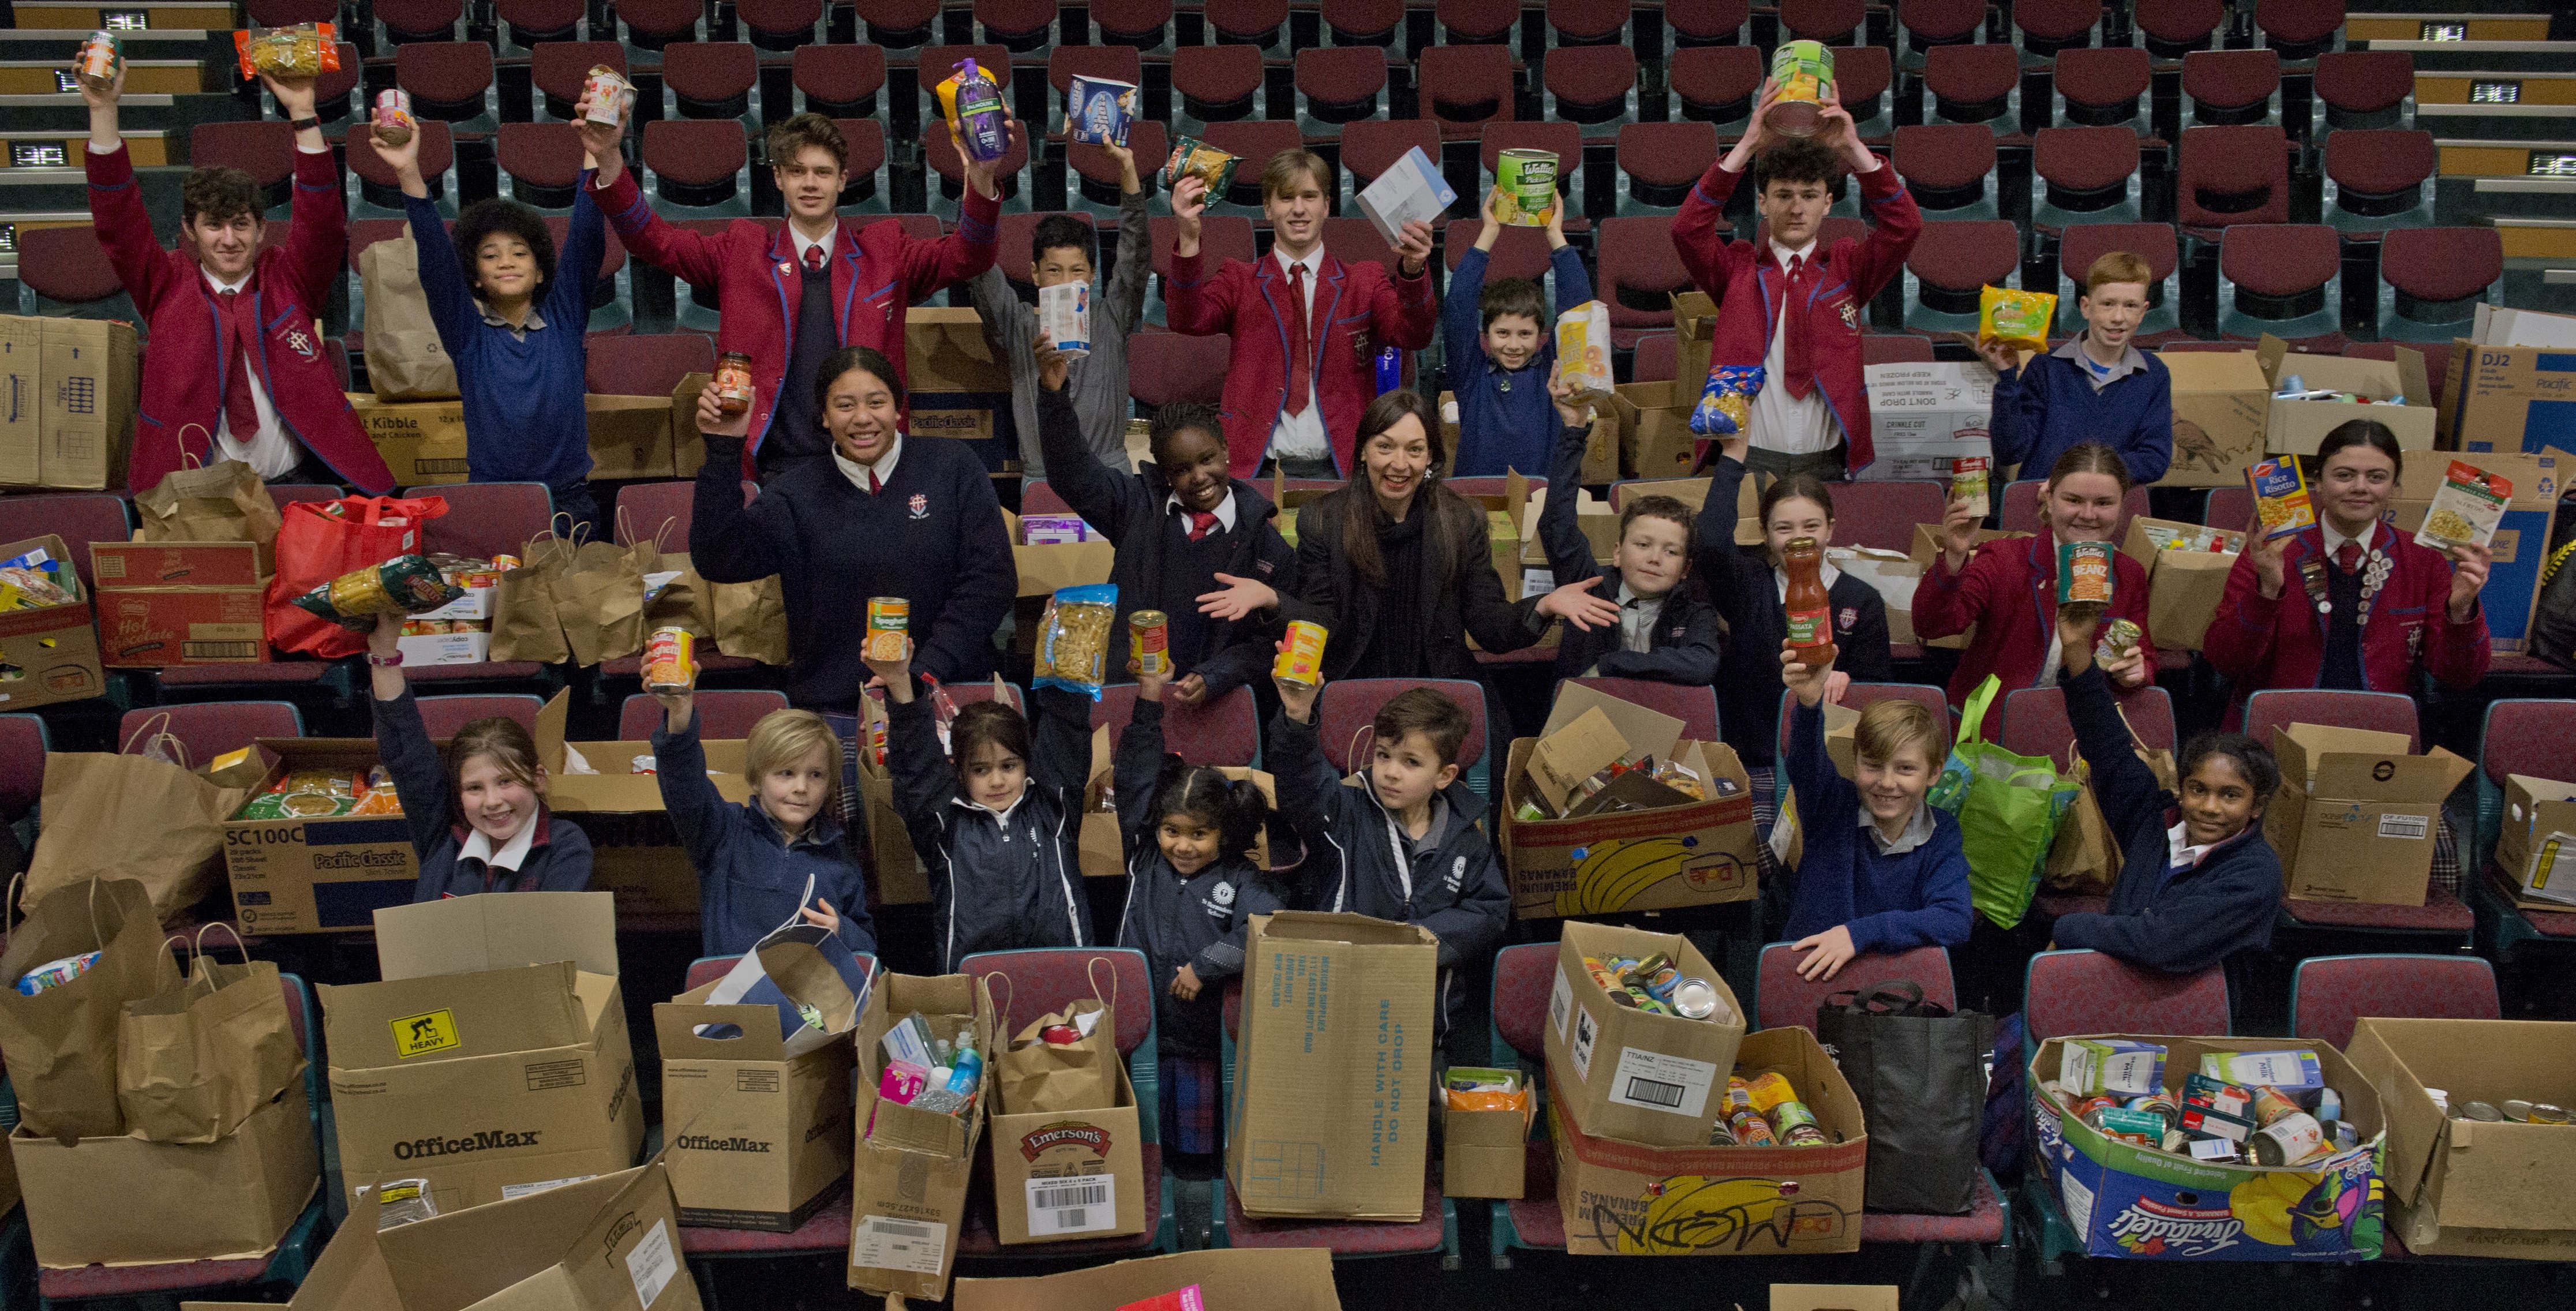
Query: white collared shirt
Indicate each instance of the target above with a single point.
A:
(2179, 854)
(857, 473)
(1224, 510)
(1918, 830)
(805, 243)
(268, 452)
(1826, 573)
(2335, 540)
(1782, 422)
(1637, 616)
(512, 854)
(1302, 435)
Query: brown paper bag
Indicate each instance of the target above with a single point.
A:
(1034, 1076)
(193, 1061)
(1103, 850)
(405, 359)
(687, 601)
(136, 817)
(2085, 858)
(220, 502)
(525, 624)
(751, 620)
(60, 1045)
(600, 599)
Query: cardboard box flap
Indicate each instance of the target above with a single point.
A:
(551, 721)
(1333, 926)
(421, 1021)
(457, 1260)
(1236, 1279)
(2355, 764)
(350, 1274)
(1648, 732)
(797, 966)
(1834, 1297)
(463, 935)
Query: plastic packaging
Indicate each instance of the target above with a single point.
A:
(290, 54)
(2018, 319)
(1583, 346)
(972, 102)
(407, 584)
(1074, 639)
(1726, 400)
(1192, 157)
(56, 973)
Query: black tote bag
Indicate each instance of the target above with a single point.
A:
(1919, 1071)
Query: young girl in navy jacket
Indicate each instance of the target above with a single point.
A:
(479, 824)
(1000, 829)
(1188, 832)
(755, 858)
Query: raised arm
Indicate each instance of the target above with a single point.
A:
(1402, 310)
(1728, 570)
(577, 267)
(1196, 299)
(1569, 552)
(1108, 500)
(699, 814)
(1135, 766)
(317, 231)
(1462, 320)
(442, 279)
(697, 258)
(929, 266)
(2130, 796)
(1125, 298)
(924, 783)
(116, 210)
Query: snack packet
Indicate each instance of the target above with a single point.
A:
(1192, 157)
(2466, 510)
(1726, 402)
(1074, 639)
(2018, 319)
(1583, 346)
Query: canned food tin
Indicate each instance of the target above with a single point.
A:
(2545, 1113)
(1301, 658)
(1751, 1130)
(1801, 70)
(2084, 1109)
(2270, 1106)
(101, 57)
(670, 660)
(1719, 1135)
(1770, 1090)
(1694, 999)
(2084, 575)
(2481, 1111)
(1739, 1094)
(1526, 183)
(2158, 1105)
(889, 619)
(394, 122)
(1149, 640)
(612, 97)
(2517, 1110)
(732, 383)
(2289, 1140)
(1796, 1125)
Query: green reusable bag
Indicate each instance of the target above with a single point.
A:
(2008, 807)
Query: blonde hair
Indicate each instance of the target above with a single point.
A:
(1887, 727)
(2118, 266)
(1289, 167)
(783, 737)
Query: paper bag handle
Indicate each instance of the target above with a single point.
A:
(1002, 1013)
(8, 917)
(238, 944)
(1091, 975)
(171, 958)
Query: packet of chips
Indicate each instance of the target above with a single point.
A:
(290, 54)
(409, 584)
(1192, 157)
(1073, 639)
(382, 798)
(1727, 400)
(2018, 319)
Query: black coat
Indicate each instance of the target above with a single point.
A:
(998, 882)
(1462, 592)
(1683, 647)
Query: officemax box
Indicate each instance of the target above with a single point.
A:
(493, 1059)
(322, 873)
(1619, 1072)
(2469, 1187)
(2355, 817)
(1625, 1199)
(2538, 833)
(2139, 1203)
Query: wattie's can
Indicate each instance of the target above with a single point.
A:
(670, 660)
(1301, 657)
(101, 57)
(1801, 70)
(1526, 180)
(889, 625)
(1149, 641)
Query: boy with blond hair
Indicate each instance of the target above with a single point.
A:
(2097, 388)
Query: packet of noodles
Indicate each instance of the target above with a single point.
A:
(2018, 319)
(290, 54)
(1073, 639)
(1726, 401)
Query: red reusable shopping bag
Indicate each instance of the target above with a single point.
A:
(322, 540)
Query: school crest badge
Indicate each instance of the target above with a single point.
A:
(920, 506)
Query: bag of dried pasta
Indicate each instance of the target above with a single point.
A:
(299, 53)
(1074, 639)
(2018, 319)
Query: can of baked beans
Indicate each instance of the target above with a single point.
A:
(1149, 641)
(1301, 656)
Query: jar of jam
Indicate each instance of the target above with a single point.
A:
(732, 384)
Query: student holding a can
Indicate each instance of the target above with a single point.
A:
(1502, 351)
(238, 369)
(1064, 252)
(2007, 590)
(1186, 535)
(2349, 601)
(512, 317)
(822, 282)
(1299, 376)
(1795, 305)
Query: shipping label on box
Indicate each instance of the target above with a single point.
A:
(1924, 418)
(152, 628)
(1627, 1074)
(2220, 403)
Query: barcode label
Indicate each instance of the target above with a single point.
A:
(879, 1243)
(2405, 826)
(652, 1265)
(1072, 1206)
(1560, 1003)
(1660, 1081)
(219, 650)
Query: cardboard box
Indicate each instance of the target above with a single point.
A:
(2539, 825)
(128, 1201)
(901, 878)
(755, 1098)
(2518, 553)
(1237, 1279)
(1332, 1086)
(2183, 586)
(607, 1243)
(321, 875)
(908, 1190)
(1928, 550)
(445, 648)
(635, 853)
(1660, 444)
(494, 1054)
(2296, 427)
(956, 388)
(1835, 1297)
(2355, 815)
(1484, 1153)
(2509, 398)
(2134, 1202)
(1600, 453)
(424, 442)
(1593, 516)
(179, 603)
(1694, 336)
(51, 654)
(1621, 1198)
(1692, 854)
(350, 1274)
(1924, 418)
(72, 387)
(1657, 1080)
(1060, 1176)
(2220, 403)
(2462, 1187)
(2497, 326)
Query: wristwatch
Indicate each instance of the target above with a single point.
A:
(299, 124)
(385, 662)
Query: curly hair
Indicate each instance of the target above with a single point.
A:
(486, 217)
(1799, 159)
(1177, 417)
(789, 137)
(219, 195)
